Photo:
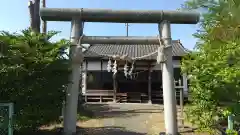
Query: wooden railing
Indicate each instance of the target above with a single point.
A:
(108, 95)
(99, 95)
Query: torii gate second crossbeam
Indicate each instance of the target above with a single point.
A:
(77, 16)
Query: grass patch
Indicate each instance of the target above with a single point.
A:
(82, 118)
(84, 114)
(54, 127)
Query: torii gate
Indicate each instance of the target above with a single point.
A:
(78, 16)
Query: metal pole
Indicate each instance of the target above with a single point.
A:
(169, 97)
(70, 117)
(119, 16)
(230, 122)
(127, 28)
(181, 98)
(149, 85)
(114, 88)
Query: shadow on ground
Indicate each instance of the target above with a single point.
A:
(109, 111)
(86, 131)
(187, 129)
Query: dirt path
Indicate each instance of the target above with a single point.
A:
(126, 119)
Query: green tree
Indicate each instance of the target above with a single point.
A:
(214, 66)
(34, 75)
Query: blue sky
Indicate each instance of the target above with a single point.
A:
(15, 17)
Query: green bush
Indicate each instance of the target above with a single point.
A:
(214, 67)
(34, 75)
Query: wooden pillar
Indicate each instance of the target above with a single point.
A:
(149, 85)
(44, 23)
(114, 87)
(101, 75)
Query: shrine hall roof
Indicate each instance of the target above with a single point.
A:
(101, 50)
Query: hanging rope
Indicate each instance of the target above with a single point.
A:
(161, 55)
(76, 52)
(77, 55)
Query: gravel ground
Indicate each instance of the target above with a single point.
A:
(127, 119)
(123, 119)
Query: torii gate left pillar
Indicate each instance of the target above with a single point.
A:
(70, 112)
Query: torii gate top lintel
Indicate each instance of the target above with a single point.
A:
(119, 16)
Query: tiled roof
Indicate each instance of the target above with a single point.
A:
(100, 50)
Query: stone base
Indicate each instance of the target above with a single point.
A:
(150, 102)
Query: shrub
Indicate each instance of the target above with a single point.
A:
(34, 75)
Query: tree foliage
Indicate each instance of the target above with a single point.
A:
(33, 75)
(214, 67)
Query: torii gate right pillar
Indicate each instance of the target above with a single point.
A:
(169, 97)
